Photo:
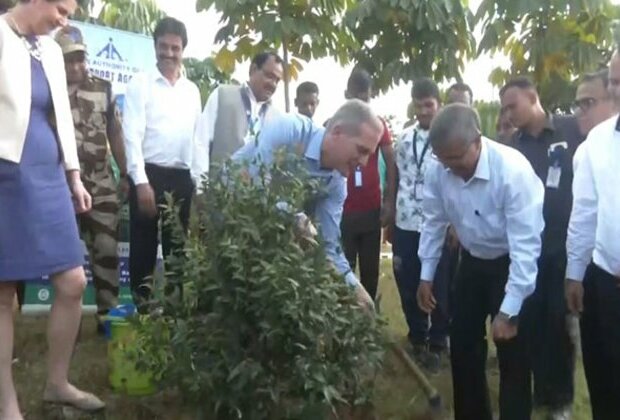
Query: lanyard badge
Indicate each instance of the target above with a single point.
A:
(358, 177)
(554, 173)
(418, 186)
(254, 123)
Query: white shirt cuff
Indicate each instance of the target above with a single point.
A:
(575, 270)
(139, 177)
(429, 267)
(511, 305)
(351, 279)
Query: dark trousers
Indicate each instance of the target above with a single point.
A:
(550, 347)
(407, 267)
(478, 294)
(143, 234)
(361, 239)
(600, 341)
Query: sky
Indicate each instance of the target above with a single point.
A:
(330, 76)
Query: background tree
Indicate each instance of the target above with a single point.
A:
(551, 41)
(205, 74)
(402, 40)
(301, 29)
(138, 16)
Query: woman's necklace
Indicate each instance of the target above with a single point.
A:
(32, 44)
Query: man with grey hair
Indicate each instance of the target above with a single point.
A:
(491, 195)
(330, 154)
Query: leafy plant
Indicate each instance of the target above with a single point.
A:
(265, 328)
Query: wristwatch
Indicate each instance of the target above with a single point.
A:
(511, 319)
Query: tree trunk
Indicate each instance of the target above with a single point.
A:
(287, 99)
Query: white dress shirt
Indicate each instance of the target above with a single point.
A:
(159, 124)
(206, 124)
(594, 228)
(497, 212)
(409, 212)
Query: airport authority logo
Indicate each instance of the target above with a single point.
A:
(110, 52)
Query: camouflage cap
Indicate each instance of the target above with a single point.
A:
(70, 40)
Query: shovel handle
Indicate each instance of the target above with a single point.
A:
(431, 392)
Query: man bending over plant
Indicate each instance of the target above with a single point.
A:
(330, 154)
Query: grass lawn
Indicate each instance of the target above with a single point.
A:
(398, 397)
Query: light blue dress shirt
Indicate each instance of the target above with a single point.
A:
(298, 134)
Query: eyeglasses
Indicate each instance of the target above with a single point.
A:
(584, 105)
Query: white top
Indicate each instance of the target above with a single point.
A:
(409, 212)
(497, 212)
(16, 96)
(594, 230)
(159, 124)
(206, 124)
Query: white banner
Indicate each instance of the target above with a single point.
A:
(116, 55)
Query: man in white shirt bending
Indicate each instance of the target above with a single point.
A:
(234, 114)
(160, 115)
(491, 196)
(593, 248)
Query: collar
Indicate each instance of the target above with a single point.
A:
(253, 99)
(157, 76)
(483, 168)
(409, 134)
(549, 126)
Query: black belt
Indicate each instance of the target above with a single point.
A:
(465, 254)
(157, 168)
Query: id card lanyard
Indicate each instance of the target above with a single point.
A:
(554, 173)
(252, 122)
(418, 186)
(358, 177)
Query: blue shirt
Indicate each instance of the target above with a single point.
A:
(298, 133)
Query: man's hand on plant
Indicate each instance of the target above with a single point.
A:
(304, 229)
(363, 298)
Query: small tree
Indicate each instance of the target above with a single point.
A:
(552, 41)
(205, 74)
(265, 328)
(403, 40)
(138, 16)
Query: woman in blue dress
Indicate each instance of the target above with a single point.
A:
(40, 192)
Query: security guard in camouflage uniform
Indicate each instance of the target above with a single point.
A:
(97, 125)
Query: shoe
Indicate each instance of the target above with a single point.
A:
(101, 331)
(87, 402)
(432, 363)
(563, 413)
(417, 352)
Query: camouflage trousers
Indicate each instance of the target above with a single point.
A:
(99, 231)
